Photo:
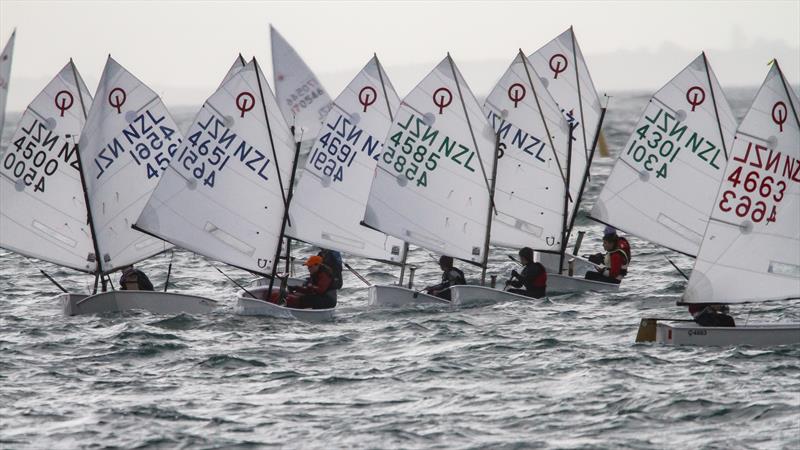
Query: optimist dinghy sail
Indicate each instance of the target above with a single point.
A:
(330, 198)
(126, 145)
(223, 196)
(431, 186)
(302, 99)
(664, 183)
(530, 189)
(5, 76)
(43, 213)
(564, 73)
(751, 248)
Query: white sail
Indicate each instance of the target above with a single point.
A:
(127, 143)
(302, 99)
(663, 186)
(530, 188)
(330, 199)
(5, 76)
(42, 207)
(221, 197)
(237, 65)
(751, 249)
(431, 187)
(563, 71)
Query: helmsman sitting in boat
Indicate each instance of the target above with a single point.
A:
(319, 290)
(133, 279)
(451, 276)
(711, 315)
(614, 264)
(533, 276)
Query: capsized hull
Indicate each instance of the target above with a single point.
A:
(151, 301)
(759, 335)
(397, 296)
(469, 295)
(246, 305)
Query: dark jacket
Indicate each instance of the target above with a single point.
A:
(136, 277)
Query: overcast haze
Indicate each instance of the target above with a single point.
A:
(183, 49)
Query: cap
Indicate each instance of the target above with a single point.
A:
(313, 261)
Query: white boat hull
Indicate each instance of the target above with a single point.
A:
(563, 284)
(246, 305)
(689, 333)
(469, 295)
(390, 295)
(117, 301)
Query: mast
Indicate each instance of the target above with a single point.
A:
(489, 212)
(585, 176)
(391, 119)
(714, 101)
(98, 273)
(286, 197)
(566, 202)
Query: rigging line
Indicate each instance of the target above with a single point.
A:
(383, 85)
(471, 132)
(586, 173)
(541, 114)
(233, 281)
(78, 86)
(788, 95)
(578, 85)
(676, 267)
(714, 101)
(285, 220)
(269, 132)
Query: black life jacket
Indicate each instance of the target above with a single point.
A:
(334, 266)
(459, 280)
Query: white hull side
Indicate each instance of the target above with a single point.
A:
(467, 295)
(389, 295)
(687, 333)
(563, 284)
(151, 301)
(249, 306)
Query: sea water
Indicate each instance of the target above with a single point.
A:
(563, 373)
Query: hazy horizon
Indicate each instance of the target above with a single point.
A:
(183, 49)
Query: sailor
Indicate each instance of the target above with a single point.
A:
(613, 265)
(333, 260)
(711, 315)
(451, 276)
(533, 276)
(133, 279)
(318, 292)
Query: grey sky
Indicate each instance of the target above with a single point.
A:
(183, 49)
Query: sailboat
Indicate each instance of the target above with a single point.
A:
(48, 202)
(331, 196)
(531, 189)
(225, 195)
(750, 251)
(5, 76)
(301, 97)
(564, 73)
(433, 180)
